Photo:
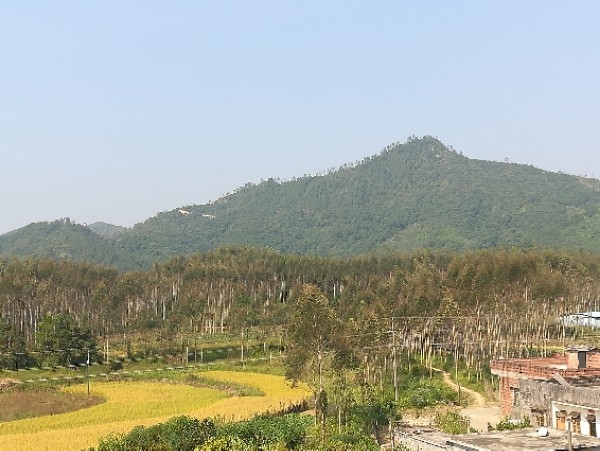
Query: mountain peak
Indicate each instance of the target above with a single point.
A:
(414, 195)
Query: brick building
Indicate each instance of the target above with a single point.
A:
(553, 391)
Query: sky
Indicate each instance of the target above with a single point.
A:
(116, 110)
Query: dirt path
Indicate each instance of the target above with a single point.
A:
(480, 411)
(479, 400)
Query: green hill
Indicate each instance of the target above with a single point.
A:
(63, 239)
(106, 230)
(419, 194)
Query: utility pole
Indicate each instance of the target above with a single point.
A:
(87, 367)
(394, 363)
(242, 351)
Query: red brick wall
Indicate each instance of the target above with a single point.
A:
(540, 369)
(593, 359)
(544, 368)
(506, 395)
(537, 368)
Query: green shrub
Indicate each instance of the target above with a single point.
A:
(452, 422)
(506, 425)
(429, 393)
(225, 444)
(264, 431)
(349, 440)
(373, 414)
(178, 434)
(185, 433)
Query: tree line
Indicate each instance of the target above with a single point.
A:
(495, 300)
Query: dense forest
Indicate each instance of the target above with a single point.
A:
(483, 304)
(417, 195)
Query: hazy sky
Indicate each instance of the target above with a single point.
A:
(116, 110)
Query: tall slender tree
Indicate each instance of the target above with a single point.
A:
(315, 344)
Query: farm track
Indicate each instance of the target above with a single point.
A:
(480, 412)
(479, 400)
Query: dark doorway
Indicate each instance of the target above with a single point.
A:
(591, 419)
(582, 357)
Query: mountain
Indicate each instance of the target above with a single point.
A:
(106, 230)
(63, 239)
(420, 194)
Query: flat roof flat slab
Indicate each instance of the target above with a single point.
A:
(527, 440)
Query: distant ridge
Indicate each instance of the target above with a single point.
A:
(419, 194)
(106, 230)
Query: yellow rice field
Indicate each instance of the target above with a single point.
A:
(129, 404)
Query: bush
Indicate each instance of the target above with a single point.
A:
(178, 434)
(116, 365)
(507, 425)
(185, 433)
(373, 414)
(225, 444)
(347, 441)
(419, 394)
(288, 431)
(452, 423)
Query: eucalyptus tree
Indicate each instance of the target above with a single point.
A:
(316, 345)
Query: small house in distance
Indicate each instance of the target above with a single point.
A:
(553, 391)
(585, 319)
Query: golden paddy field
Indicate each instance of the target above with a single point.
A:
(129, 404)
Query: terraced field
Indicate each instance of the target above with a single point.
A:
(129, 404)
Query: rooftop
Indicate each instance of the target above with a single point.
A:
(528, 440)
(543, 368)
(515, 440)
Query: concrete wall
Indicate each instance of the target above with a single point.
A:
(541, 394)
(416, 443)
(553, 397)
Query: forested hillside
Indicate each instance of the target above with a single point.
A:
(65, 240)
(416, 195)
(495, 302)
(106, 230)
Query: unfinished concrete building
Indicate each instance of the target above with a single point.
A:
(561, 392)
